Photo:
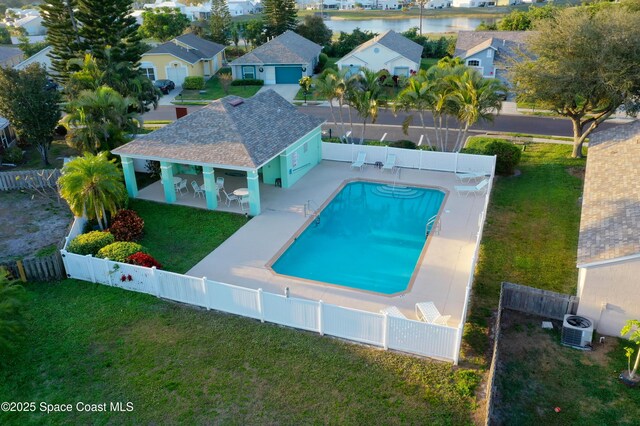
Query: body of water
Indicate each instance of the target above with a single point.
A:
(429, 25)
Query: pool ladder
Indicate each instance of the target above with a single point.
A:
(433, 225)
(312, 209)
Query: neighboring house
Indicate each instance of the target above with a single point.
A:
(185, 56)
(263, 134)
(491, 52)
(473, 3)
(31, 24)
(609, 243)
(389, 50)
(42, 58)
(282, 60)
(7, 135)
(439, 4)
(239, 8)
(10, 56)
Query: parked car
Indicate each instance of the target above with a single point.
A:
(51, 85)
(502, 95)
(165, 86)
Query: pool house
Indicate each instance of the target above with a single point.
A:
(220, 156)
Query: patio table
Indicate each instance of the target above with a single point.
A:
(241, 192)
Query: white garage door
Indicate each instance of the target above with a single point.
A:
(177, 74)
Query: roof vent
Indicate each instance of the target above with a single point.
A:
(236, 102)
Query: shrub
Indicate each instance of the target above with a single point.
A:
(90, 243)
(403, 144)
(247, 82)
(120, 251)
(193, 83)
(143, 259)
(508, 156)
(12, 155)
(127, 226)
(322, 62)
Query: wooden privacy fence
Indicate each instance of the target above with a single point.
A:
(538, 302)
(46, 268)
(29, 179)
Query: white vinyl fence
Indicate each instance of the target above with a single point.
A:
(411, 158)
(415, 337)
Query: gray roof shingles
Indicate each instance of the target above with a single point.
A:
(287, 48)
(508, 44)
(244, 136)
(8, 53)
(396, 42)
(610, 221)
(200, 48)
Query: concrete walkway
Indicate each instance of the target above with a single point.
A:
(287, 91)
(166, 100)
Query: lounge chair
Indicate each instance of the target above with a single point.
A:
(230, 198)
(182, 185)
(393, 311)
(390, 164)
(197, 190)
(478, 189)
(359, 163)
(467, 177)
(428, 312)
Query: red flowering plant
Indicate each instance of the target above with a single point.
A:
(127, 226)
(143, 259)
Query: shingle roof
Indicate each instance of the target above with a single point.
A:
(199, 48)
(246, 135)
(610, 222)
(396, 42)
(8, 53)
(287, 48)
(507, 43)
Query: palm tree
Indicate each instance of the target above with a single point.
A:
(363, 97)
(327, 87)
(417, 95)
(99, 119)
(92, 185)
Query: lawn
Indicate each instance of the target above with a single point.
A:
(530, 236)
(426, 63)
(32, 160)
(178, 365)
(179, 237)
(213, 90)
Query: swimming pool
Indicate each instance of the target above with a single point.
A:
(369, 237)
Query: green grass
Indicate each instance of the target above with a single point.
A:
(178, 365)
(213, 90)
(32, 159)
(530, 236)
(179, 237)
(426, 63)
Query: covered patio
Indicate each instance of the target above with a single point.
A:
(222, 156)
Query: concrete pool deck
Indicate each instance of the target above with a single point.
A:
(443, 272)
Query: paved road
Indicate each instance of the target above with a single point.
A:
(503, 123)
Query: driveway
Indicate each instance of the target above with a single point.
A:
(170, 97)
(287, 91)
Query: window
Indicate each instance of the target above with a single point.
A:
(473, 63)
(376, 50)
(4, 140)
(401, 71)
(489, 53)
(249, 73)
(149, 72)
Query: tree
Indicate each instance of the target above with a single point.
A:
(313, 28)
(519, 20)
(255, 32)
(416, 97)
(220, 22)
(583, 67)
(58, 16)
(98, 120)
(32, 110)
(5, 37)
(163, 23)
(225, 79)
(92, 186)
(421, 4)
(279, 16)
(632, 328)
(348, 41)
(364, 93)
(12, 304)
(28, 48)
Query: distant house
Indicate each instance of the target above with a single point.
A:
(42, 58)
(609, 243)
(490, 51)
(184, 56)
(7, 135)
(239, 8)
(32, 25)
(282, 60)
(10, 56)
(389, 50)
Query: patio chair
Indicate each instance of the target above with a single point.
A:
(230, 198)
(390, 164)
(182, 185)
(392, 311)
(466, 177)
(427, 312)
(220, 182)
(244, 202)
(478, 189)
(197, 190)
(359, 163)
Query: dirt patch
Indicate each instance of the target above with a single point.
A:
(30, 223)
(576, 172)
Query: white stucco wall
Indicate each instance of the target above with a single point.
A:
(377, 57)
(610, 295)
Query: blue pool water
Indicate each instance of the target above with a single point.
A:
(368, 237)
